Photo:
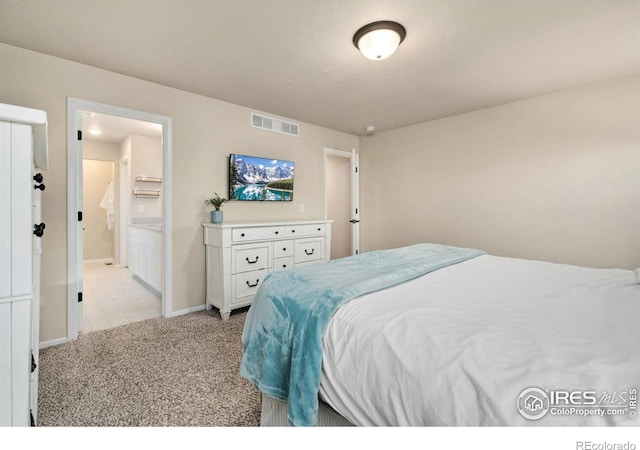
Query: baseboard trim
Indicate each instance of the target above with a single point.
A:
(150, 288)
(99, 260)
(187, 311)
(53, 342)
(64, 340)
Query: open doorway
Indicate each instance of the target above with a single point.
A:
(341, 201)
(115, 291)
(119, 242)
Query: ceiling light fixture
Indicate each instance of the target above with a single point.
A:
(379, 40)
(95, 131)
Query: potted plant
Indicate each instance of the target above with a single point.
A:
(216, 201)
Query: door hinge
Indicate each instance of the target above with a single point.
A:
(79, 216)
(79, 297)
(356, 169)
(79, 135)
(33, 422)
(34, 366)
(356, 210)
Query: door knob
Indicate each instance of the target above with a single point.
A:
(38, 229)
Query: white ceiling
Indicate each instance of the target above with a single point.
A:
(295, 58)
(116, 129)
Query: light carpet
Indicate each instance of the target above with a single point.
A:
(182, 371)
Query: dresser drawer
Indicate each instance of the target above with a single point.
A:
(247, 284)
(314, 229)
(256, 233)
(282, 249)
(250, 257)
(309, 250)
(283, 263)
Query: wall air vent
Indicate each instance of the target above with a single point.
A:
(273, 124)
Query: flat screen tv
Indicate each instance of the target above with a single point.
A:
(260, 179)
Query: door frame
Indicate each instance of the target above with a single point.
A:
(75, 106)
(124, 205)
(354, 157)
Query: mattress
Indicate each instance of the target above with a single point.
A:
(488, 342)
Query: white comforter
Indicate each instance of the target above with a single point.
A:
(459, 345)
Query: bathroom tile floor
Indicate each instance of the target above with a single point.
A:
(112, 297)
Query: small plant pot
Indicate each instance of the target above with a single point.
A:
(216, 216)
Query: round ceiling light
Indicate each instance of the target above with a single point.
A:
(379, 40)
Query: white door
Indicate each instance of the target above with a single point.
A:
(341, 201)
(355, 202)
(80, 254)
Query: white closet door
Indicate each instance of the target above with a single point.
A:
(19, 258)
(5, 211)
(21, 361)
(15, 362)
(21, 210)
(5, 364)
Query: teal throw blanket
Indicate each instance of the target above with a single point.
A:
(283, 331)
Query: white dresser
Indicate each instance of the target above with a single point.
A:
(239, 255)
(23, 152)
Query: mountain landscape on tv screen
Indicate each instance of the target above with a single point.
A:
(260, 179)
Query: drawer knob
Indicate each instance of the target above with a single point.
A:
(277, 232)
(242, 235)
(293, 231)
(284, 249)
(319, 229)
(253, 285)
(307, 253)
(284, 266)
(252, 262)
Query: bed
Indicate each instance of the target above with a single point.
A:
(431, 335)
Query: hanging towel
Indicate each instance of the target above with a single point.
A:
(108, 204)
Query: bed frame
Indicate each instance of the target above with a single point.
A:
(274, 414)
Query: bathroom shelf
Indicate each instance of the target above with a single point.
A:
(149, 179)
(146, 193)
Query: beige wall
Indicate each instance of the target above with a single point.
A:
(145, 161)
(339, 204)
(106, 151)
(555, 178)
(205, 131)
(99, 242)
